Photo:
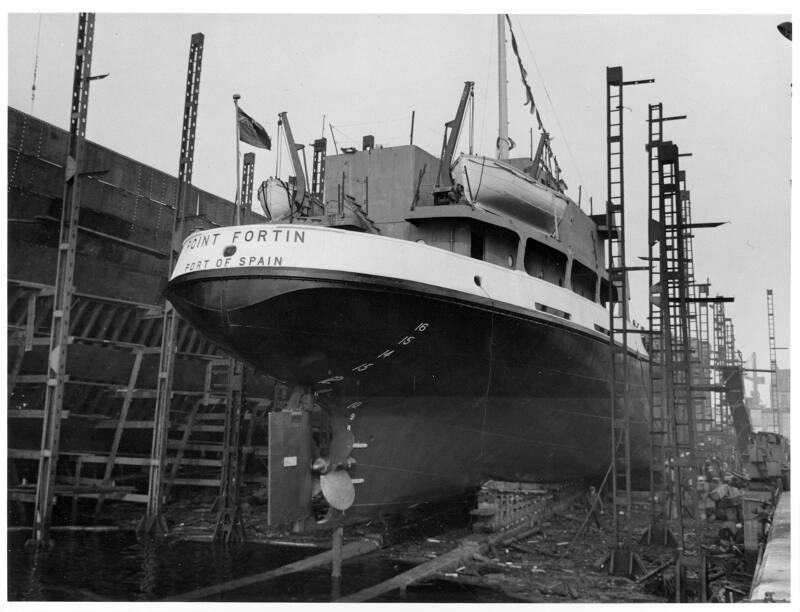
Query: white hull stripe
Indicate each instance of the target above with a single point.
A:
(307, 247)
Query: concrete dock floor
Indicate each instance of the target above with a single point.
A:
(772, 580)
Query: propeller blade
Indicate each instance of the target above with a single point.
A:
(338, 489)
(341, 445)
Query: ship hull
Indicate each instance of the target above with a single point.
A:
(441, 390)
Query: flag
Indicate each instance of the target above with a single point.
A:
(252, 132)
(524, 74)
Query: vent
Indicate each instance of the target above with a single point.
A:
(553, 311)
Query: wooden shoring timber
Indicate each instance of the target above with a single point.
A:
(181, 448)
(110, 312)
(14, 370)
(123, 415)
(466, 549)
(353, 549)
(77, 483)
(79, 308)
(121, 324)
(97, 308)
(29, 322)
(184, 330)
(146, 331)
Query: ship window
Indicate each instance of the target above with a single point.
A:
(476, 246)
(542, 261)
(584, 280)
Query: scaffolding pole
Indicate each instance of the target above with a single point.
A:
(229, 526)
(618, 295)
(64, 286)
(153, 521)
(773, 365)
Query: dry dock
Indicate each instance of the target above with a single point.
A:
(772, 580)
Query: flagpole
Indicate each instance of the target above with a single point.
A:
(237, 205)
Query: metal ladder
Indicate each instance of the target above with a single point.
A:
(659, 428)
(773, 365)
(679, 367)
(64, 289)
(318, 168)
(617, 299)
(153, 520)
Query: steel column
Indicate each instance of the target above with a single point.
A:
(617, 297)
(153, 521)
(64, 288)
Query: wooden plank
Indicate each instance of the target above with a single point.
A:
(206, 428)
(22, 496)
(97, 308)
(30, 413)
(448, 560)
(77, 482)
(128, 424)
(196, 461)
(31, 379)
(90, 458)
(353, 549)
(112, 455)
(24, 453)
(468, 546)
(211, 416)
(187, 431)
(30, 322)
(13, 374)
(19, 340)
(197, 482)
(198, 446)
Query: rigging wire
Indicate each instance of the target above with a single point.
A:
(36, 62)
(552, 106)
(374, 122)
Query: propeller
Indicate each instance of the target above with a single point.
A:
(338, 489)
(334, 482)
(341, 445)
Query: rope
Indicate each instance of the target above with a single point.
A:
(552, 107)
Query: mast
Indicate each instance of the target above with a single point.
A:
(502, 133)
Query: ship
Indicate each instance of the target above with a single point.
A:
(442, 320)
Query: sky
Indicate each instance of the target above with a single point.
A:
(365, 74)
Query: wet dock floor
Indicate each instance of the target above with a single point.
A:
(554, 564)
(116, 567)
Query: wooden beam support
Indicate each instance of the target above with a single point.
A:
(123, 415)
(353, 549)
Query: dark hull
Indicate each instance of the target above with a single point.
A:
(446, 390)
